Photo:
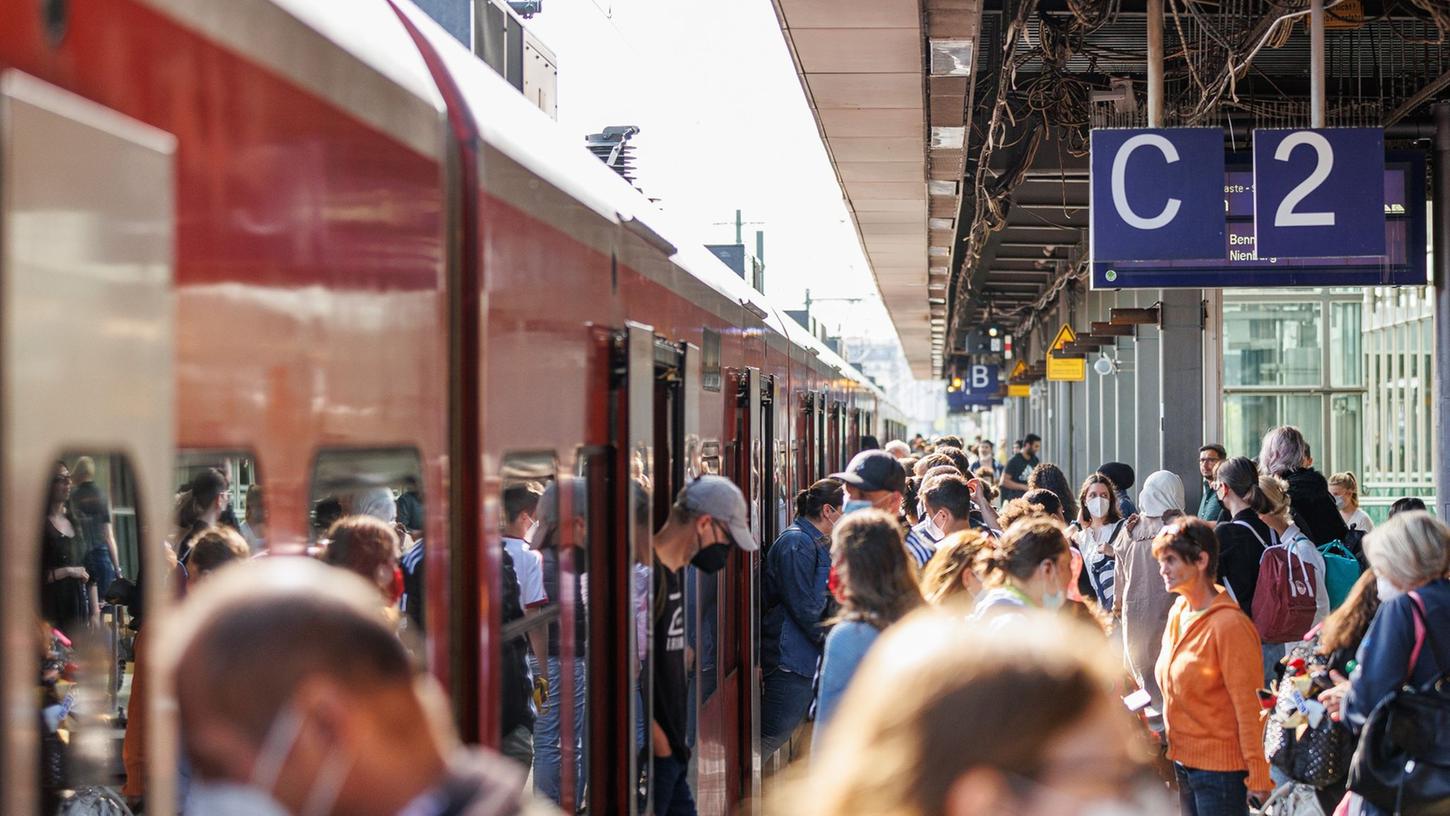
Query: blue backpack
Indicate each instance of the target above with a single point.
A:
(1341, 570)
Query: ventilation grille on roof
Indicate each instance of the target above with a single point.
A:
(612, 148)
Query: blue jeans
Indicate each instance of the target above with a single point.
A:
(784, 701)
(1211, 793)
(101, 570)
(672, 787)
(548, 739)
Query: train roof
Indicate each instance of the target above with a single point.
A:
(510, 124)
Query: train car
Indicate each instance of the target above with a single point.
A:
(323, 249)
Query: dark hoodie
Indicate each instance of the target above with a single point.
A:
(1313, 507)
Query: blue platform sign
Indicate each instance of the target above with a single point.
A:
(1156, 193)
(1240, 263)
(1319, 193)
(981, 388)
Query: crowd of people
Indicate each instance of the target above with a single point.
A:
(942, 633)
(962, 636)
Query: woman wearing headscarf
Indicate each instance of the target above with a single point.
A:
(1140, 601)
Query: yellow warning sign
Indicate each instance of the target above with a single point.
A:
(1014, 390)
(1064, 369)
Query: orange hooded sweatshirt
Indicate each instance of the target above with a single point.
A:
(1209, 670)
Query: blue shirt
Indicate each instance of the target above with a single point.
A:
(845, 648)
(797, 570)
(1384, 654)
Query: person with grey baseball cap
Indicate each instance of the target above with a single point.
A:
(874, 478)
(708, 519)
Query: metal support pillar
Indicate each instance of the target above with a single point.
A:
(1316, 63)
(1213, 366)
(1155, 63)
(1180, 373)
(1441, 238)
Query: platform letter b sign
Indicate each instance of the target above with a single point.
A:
(1157, 194)
(980, 378)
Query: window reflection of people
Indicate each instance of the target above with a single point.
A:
(254, 527)
(63, 599)
(91, 510)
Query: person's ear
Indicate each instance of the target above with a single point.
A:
(979, 790)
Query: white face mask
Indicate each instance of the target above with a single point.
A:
(1388, 591)
(1339, 502)
(257, 793)
(1097, 507)
(932, 529)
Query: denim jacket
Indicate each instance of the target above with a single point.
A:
(796, 571)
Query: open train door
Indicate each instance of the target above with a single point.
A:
(87, 225)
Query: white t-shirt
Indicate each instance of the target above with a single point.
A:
(1359, 520)
(529, 567)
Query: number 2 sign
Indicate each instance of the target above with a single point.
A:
(1319, 193)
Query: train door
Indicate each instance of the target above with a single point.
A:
(87, 225)
(804, 441)
(613, 482)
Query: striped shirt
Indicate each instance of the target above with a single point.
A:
(920, 544)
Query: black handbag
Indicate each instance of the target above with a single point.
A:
(1318, 757)
(1402, 763)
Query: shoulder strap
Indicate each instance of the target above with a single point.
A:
(1250, 528)
(1419, 615)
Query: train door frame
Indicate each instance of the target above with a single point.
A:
(619, 697)
(748, 475)
(66, 160)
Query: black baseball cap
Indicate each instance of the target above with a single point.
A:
(874, 470)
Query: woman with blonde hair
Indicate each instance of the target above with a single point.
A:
(1410, 556)
(952, 575)
(997, 720)
(1030, 568)
(1344, 487)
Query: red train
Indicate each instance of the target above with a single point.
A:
(321, 243)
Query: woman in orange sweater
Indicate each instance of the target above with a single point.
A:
(1209, 670)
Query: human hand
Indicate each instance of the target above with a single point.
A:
(1132, 522)
(1333, 697)
(1257, 798)
(80, 573)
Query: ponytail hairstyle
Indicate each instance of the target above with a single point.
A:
(1276, 496)
(827, 492)
(1347, 482)
(1025, 545)
(1241, 476)
(198, 497)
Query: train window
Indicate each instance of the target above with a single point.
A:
(85, 628)
(218, 487)
(528, 647)
(354, 484)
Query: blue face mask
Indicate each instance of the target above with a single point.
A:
(852, 505)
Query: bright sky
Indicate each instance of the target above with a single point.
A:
(723, 125)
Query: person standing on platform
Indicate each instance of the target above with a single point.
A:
(947, 500)
(1100, 523)
(1285, 454)
(874, 479)
(1048, 476)
(1241, 539)
(1344, 487)
(898, 449)
(92, 511)
(708, 519)
(1141, 602)
(875, 587)
(1030, 568)
(1208, 672)
(1019, 468)
(1210, 509)
(986, 458)
(797, 574)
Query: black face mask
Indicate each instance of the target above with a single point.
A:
(711, 559)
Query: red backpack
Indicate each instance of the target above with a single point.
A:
(1284, 603)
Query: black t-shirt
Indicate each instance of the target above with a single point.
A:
(669, 659)
(1019, 467)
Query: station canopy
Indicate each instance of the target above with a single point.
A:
(958, 129)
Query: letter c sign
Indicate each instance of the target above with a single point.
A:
(1157, 194)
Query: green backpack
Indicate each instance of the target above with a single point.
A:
(1341, 570)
